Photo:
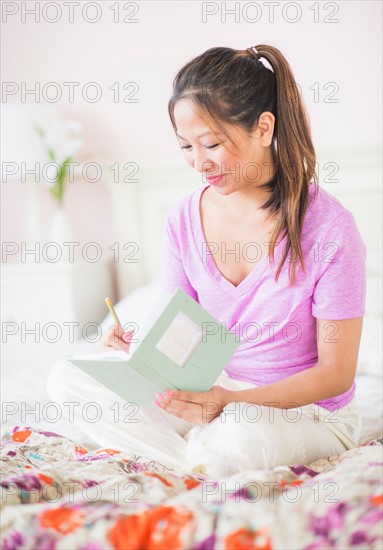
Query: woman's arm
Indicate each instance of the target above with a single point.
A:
(338, 349)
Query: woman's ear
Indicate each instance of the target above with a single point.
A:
(265, 128)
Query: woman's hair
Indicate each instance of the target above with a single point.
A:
(234, 88)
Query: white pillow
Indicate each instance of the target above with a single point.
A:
(370, 353)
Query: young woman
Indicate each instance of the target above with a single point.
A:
(274, 257)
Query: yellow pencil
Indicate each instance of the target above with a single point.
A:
(111, 309)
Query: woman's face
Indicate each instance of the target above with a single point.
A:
(242, 166)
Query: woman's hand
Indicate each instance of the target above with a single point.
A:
(195, 407)
(116, 338)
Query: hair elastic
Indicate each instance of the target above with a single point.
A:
(254, 52)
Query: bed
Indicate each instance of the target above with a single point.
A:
(61, 491)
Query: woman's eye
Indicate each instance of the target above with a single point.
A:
(207, 147)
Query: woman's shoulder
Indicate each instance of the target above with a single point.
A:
(324, 210)
(330, 226)
(181, 210)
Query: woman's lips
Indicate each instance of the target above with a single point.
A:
(213, 180)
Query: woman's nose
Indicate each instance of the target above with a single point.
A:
(201, 163)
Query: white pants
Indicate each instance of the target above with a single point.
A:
(244, 437)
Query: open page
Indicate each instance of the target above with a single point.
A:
(151, 317)
(117, 354)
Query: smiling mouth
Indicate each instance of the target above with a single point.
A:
(216, 176)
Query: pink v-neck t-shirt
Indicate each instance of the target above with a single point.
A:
(275, 322)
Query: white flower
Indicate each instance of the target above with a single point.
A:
(71, 148)
(64, 139)
(51, 136)
(62, 142)
(73, 127)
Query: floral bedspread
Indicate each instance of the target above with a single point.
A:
(58, 495)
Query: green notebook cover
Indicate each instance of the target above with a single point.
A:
(185, 349)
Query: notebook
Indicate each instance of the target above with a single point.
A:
(184, 348)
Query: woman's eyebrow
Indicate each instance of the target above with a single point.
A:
(201, 135)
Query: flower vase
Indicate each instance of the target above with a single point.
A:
(60, 232)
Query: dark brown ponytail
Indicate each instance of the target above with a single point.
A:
(233, 87)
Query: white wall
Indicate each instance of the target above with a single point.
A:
(168, 34)
(346, 52)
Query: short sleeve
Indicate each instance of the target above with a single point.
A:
(340, 287)
(173, 274)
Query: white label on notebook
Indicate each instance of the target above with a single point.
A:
(181, 339)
